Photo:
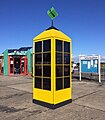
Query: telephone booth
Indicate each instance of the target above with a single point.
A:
(23, 66)
(52, 84)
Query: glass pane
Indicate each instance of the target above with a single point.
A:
(46, 58)
(38, 82)
(58, 58)
(46, 84)
(59, 83)
(38, 70)
(67, 82)
(66, 70)
(66, 58)
(11, 68)
(47, 71)
(59, 45)
(59, 72)
(66, 47)
(38, 58)
(38, 46)
(46, 45)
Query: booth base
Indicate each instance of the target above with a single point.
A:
(52, 106)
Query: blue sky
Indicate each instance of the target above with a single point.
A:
(82, 20)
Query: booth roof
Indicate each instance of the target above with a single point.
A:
(52, 32)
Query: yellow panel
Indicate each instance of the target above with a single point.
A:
(62, 95)
(43, 95)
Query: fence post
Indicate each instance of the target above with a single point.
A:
(99, 69)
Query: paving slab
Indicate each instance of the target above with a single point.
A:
(6, 92)
(24, 87)
(95, 100)
(13, 80)
(81, 89)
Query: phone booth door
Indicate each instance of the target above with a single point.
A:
(23, 65)
(10, 65)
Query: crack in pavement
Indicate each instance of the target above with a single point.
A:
(86, 95)
(9, 109)
(89, 107)
(10, 96)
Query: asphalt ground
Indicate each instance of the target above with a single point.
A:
(16, 101)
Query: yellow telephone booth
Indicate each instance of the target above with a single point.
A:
(52, 81)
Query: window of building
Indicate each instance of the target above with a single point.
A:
(59, 45)
(59, 58)
(38, 46)
(38, 58)
(38, 82)
(59, 83)
(47, 71)
(62, 64)
(67, 82)
(38, 70)
(46, 45)
(59, 71)
(46, 84)
(46, 58)
(66, 58)
(43, 64)
(66, 47)
(66, 70)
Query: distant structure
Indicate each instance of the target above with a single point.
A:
(16, 61)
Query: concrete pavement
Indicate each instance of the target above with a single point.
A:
(16, 101)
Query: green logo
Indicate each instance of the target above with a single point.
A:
(52, 13)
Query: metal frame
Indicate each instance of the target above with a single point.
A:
(97, 58)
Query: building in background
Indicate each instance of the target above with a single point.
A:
(17, 61)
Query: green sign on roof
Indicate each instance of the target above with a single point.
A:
(52, 13)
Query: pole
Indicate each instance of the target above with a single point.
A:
(99, 69)
(80, 67)
(52, 23)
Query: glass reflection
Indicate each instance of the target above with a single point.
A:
(38, 46)
(46, 45)
(66, 70)
(66, 58)
(47, 71)
(38, 70)
(67, 82)
(66, 47)
(38, 82)
(59, 83)
(46, 58)
(38, 58)
(59, 58)
(46, 84)
(59, 45)
(59, 71)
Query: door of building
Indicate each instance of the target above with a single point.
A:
(10, 65)
(23, 65)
